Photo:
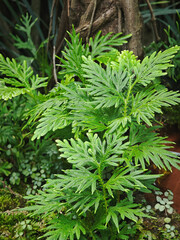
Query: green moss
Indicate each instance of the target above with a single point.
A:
(8, 220)
(15, 224)
(7, 202)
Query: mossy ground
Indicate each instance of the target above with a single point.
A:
(15, 224)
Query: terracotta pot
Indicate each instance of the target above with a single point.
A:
(172, 180)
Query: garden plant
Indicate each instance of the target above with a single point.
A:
(102, 114)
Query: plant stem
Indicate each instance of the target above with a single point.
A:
(153, 19)
(103, 188)
(127, 98)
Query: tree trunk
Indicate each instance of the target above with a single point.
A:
(90, 16)
(132, 24)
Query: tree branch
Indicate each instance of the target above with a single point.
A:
(106, 16)
(54, 64)
(153, 19)
(92, 18)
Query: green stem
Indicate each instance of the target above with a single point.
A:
(103, 188)
(127, 98)
(87, 228)
(33, 96)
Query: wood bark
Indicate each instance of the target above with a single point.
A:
(132, 24)
(109, 16)
(36, 7)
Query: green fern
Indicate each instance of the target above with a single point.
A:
(26, 27)
(86, 188)
(147, 146)
(111, 111)
(101, 44)
(64, 228)
(18, 79)
(74, 51)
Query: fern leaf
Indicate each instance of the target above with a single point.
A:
(101, 44)
(45, 105)
(154, 66)
(72, 56)
(80, 179)
(52, 120)
(10, 92)
(93, 152)
(149, 102)
(38, 82)
(84, 202)
(146, 146)
(124, 179)
(106, 86)
(18, 74)
(64, 228)
(126, 210)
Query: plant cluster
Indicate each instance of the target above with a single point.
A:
(164, 203)
(109, 113)
(30, 162)
(102, 114)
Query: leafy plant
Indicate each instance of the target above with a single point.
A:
(171, 115)
(159, 11)
(4, 168)
(110, 111)
(34, 56)
(164, 203)
(19, 92)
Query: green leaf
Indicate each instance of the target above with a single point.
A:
(124, 209)
(64, 228)
(154, 66)
(52, 120)
(101, 44)
(149, 102)
(106, 86)
(9, 92)
(94, 153)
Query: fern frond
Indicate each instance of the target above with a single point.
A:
(117, 123)
(19, 76)
(126, 61)
(45, 202)
(79, 179)
(38, 82)
(148, 102)
(64, 228)
(72, 56)
(101, 44)
(125, 178)
(84, 202)
(52, 119)
(146, 146)
(9, 92)
(106, 86)
(93, 153)
(126, 210)
(43, 106)
(154, 66)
